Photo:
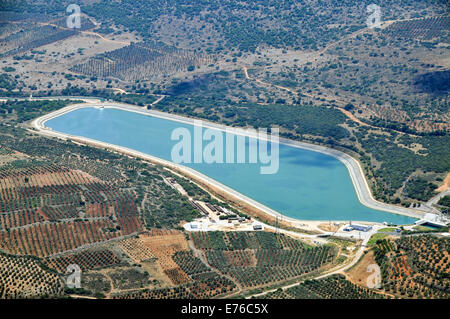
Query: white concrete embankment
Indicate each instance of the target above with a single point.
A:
(353, 166)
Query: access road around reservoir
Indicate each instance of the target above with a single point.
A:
(354, 168)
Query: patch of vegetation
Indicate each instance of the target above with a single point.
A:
(396, 164)
(9, 69)
(96, 283)
(129, 278)
(26, 110)
(424, 230)
(296, 119)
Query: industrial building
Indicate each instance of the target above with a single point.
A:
(257, 227)
(357, 227)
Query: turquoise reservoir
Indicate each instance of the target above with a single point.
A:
(308, 185)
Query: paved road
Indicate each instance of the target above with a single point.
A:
(436, 198)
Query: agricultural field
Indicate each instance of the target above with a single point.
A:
(142, 61)
(87, 260)
(190, 277)
(38, 49)
(163, 244)
(43, 210)
(261, 258)
(136, 249)
(361, 273)
(333, 287)
(415, 266)
(376, 238)
(312, 68)
(190, 264)
(426, 29)
(24, 277)
(30, 34)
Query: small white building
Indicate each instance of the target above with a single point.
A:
(257, 227)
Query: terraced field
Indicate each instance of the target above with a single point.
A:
(415, 266)
(259, 258)
(87, 260)
(209, 286)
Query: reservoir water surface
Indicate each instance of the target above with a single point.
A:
(308, 185)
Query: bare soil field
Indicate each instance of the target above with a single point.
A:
(330, 227)
(359, 274)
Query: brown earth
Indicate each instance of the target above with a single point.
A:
(163, 244)
(329, 227)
